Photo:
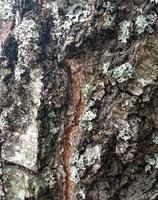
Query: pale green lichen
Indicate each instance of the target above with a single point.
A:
(7, 9)
(145, 23)
(88, 90)
(152, 162)
(155, 140)
(86, 120)
(109, 6)
(110, 15)
(110, 21)
(89, 158)
(125, 132)
(128, 103)
(124, 32)
(27, 35)
(106, 68)
(123, 72)
(120, 74)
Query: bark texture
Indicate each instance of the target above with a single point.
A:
(78, 100)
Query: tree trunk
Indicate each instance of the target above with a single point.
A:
(79, 100)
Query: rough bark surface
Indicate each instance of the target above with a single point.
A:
(78, 100)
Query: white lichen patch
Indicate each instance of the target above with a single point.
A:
(25, 150)
(27, 36)
(18, 72)
(6, 8)
(152, 162)
(89, 158)
(124, 132)
(106, 68)
(78, 13)
(124, 33)
(81, 192)
(86, 120)
(155, 140)
(87, 91)
(120, 74)
(22, 147)
(145, 23)
(123, 72)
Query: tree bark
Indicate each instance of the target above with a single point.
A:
(78, 100)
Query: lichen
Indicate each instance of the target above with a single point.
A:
(119, 74)
(110, 21)
(123, 72)
(145, 23)
(155, 140)
(90, 156)
(155, 1)
(152, 162)
(81, 192)
(129, 103)
(88, 90)
(27, 36)
(110, 15)
(124, 32)
(86, 120)
(124, 132)
(106, 68)
(7, 9)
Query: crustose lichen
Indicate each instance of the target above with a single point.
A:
(121, 73)
(124, 33)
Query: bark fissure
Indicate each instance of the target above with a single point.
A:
(77, 106)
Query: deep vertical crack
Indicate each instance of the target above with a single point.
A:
(77, 106)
